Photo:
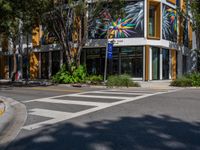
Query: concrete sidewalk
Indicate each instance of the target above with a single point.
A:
(161, 84)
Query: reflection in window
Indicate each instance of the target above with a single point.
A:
(155, 63)
(152, 21)
(165, 55)
(126, 60)
(132, 61)
(93, 61)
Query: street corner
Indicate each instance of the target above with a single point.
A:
(2, 108)
(12, 118)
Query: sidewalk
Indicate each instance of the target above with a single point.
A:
(161, 84)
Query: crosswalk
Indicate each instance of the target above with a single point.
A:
(75, 105)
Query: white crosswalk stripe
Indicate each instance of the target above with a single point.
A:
(81, 100)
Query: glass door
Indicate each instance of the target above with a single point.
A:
(155, 63)
(55, 62)
(45, 65)
(165, 55)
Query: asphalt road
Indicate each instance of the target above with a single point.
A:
(103, 119)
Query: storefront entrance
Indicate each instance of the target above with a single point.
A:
(55, 62)
(44, 65)
(125, 60)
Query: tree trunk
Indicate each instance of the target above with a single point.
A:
(14, 62)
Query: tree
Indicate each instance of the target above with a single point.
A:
(19, 16)
(68, 22)
(195, 9)
(9, 25)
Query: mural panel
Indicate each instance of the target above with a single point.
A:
(128, 24)
(169, 27)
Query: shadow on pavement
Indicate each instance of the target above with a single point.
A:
(128, 133)
(11, 85)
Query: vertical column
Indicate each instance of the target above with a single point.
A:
(40, 64)
(61, 58)
(147, 63)
(170, 64)
(173, 52)
(50, 65)
(144, 63)
(161, 64)
(180, 63)
(150, 63)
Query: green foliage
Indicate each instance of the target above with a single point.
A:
(182, 82)
(188, 80)
(121, 81)
(95, 79)
(116, 5)
(77, 76)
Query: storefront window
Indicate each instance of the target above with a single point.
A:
(132, 61)
(55, 62)
(155, 63)
(184, 64)
(113, 64)
(125, 60)
(165, 55)
(93, 61)
(44, 65)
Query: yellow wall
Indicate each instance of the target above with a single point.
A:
(147, 62)
(4, 43)
(4, 67)
(190, 34)
(36, 36)
(173, 52)
(172, 1)
(34, 65)
(1, 66)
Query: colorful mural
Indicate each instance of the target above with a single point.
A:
(128, 25)
(169, 27)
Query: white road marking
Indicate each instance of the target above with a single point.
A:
(117, 93)
(48, 113)
(63, 116)
(87, 103)
(98, 96)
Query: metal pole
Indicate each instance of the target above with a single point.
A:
(106, 61)
(106, 53)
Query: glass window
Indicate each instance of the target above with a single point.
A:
(155, 63)
(93, 61)
(132, 61)
(44, 65)
(152, 21)
(184, 64)
(55, 62)
(113, 64)
(165, 56)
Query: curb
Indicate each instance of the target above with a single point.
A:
(2, 108)
(7, 115)
(11, 121)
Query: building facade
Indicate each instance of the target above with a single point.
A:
(151, 42)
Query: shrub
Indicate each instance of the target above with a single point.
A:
(121, 81)
(95, 79)
(188, 80)
(182, 82)
(77, 76)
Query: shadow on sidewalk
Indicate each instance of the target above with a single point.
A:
(128, 133)
(9, 85)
